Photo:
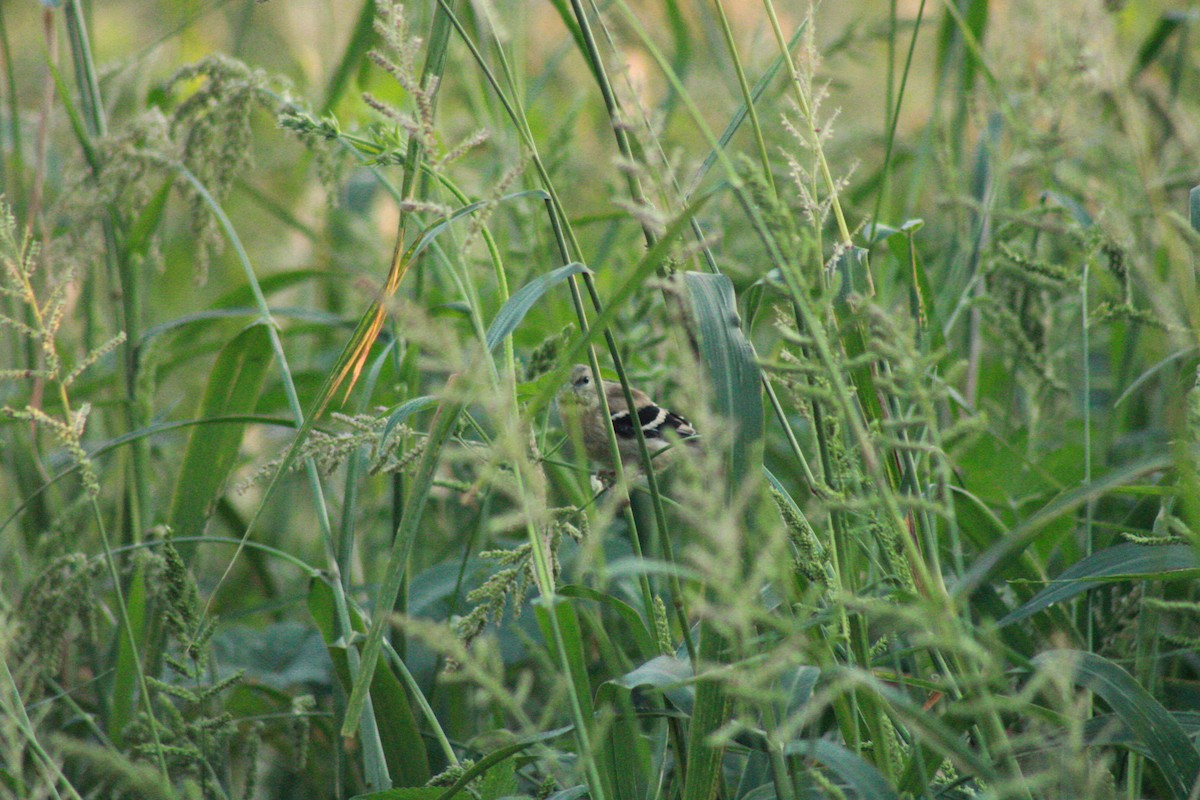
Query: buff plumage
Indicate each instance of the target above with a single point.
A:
(660, 426)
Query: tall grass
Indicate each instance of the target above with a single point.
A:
(922, 277)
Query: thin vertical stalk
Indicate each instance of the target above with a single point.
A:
(892, 115)
(747, 97)
(373, 757)
(125, 275)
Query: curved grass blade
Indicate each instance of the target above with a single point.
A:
(404, 749)
(637, 625)
(514, 310)
(1128, 561)
(233, 388)
(406, 410)
(732, 370)
(1164, 739)
(492, 759)
(1014, 543)
(864, 779)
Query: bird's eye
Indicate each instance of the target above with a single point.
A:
(583, 380)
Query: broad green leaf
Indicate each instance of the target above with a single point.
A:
(211, 453)
(512, 312)
(670, 675)
(500, 754)
(637, 626)
(568, 625)
(1109, 729)
(732, 370)
(849, 768)
(1013, 544)
(710, 711)
(1128, 561)
(500, 781)
(623, 744)
(1148, 722)
(567, 653)
(124, 688)
(281, 655)
(404, 749)
(799, 685)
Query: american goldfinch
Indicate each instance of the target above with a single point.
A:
(658, 424)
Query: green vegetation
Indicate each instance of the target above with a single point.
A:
(287, 509)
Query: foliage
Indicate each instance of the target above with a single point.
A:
(286, 505)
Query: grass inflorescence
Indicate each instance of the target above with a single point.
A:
(288, 508)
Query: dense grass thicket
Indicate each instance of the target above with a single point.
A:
(288, 506)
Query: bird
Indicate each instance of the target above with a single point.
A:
(660, 426)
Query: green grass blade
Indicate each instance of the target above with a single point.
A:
(408, 761)
(402, 544)
(855, 773)
(125, 686)
(1016, 540)
(1163, 737)
(500, 754)
(1129, 561)
(233, 388)
(642, 635)
(560, 628)
(514, 310)
(732, 369)
(711, 711)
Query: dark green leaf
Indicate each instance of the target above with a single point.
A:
(732, 370)
(500, 754)
(512, 312)
(1163, 737)
(850, 769)
(1124, 562)
(404, 749)
(211, 453)
(637, 626)
(1013, 544)
(409, 793)
(1153, 44)
(406, 410)
(668, 674)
